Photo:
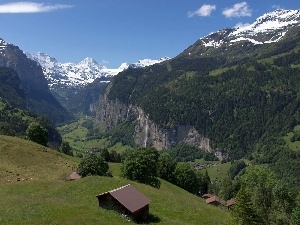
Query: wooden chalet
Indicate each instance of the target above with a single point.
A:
(126, 200)
(215, 200)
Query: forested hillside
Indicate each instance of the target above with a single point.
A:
(17, 112)
(244, 101)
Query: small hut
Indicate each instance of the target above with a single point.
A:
(215, 200)
(74, 176)
(126, 200)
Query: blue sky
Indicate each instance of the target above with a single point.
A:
(116, 31)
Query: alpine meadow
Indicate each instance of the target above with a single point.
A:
(209, 136)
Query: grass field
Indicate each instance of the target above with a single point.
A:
(76, 134)
(49, 199)
(292, 145)
(219, 171)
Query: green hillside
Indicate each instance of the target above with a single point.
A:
(27, 161)
(49, 199)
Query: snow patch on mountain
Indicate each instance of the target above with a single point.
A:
(83, 72)
(3, 45)
(268, 28)
(148, 62)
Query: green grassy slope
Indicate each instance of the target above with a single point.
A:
(29, 161)
(52, 200)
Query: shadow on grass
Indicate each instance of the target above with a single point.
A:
(150, 219)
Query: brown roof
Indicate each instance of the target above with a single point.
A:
(215, 199)
(207, 196)
(129, 197)
(74, 176)
(230, 202)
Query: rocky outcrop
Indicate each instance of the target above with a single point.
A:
(147, 133)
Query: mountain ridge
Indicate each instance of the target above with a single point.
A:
(81, 73)
(268, 28)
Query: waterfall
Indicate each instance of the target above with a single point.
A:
(128, 110)
(146, 132)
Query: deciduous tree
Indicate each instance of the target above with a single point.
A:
(185, 177)
(66, 148)
(36, 133)
(141, 165)
(93, 164)
(166, 166)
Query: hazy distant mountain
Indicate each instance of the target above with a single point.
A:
(81, 73)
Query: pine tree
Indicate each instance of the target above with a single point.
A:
(243, 211)
(295, 218)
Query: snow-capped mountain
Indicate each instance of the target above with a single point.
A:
(147, 62)
(81, 73)
(268, 28)
(3, 45)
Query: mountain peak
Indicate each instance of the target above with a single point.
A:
(2, 45)
(268, 28)
(88, 61)
(81, 73)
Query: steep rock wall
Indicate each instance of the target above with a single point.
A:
(33, 82)
(147, 133)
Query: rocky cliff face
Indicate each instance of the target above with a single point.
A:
(147, 133)
(33, 82)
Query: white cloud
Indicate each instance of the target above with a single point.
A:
(204, 10)
(241, 25)
(30, 7)
(238, 10)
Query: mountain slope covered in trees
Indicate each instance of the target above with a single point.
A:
(17, 112)
(244, 99)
